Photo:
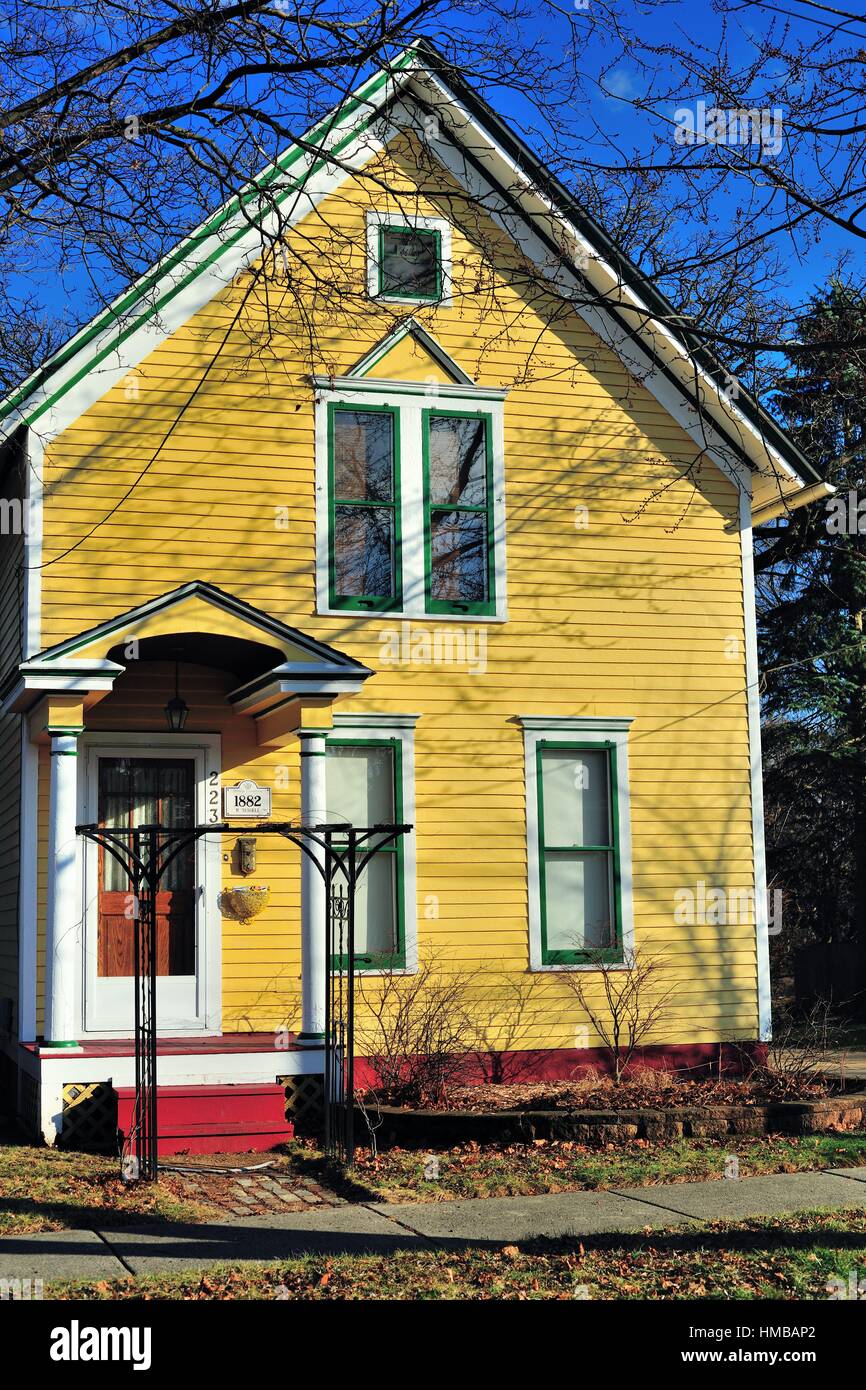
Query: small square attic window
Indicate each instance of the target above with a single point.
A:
(409, 263)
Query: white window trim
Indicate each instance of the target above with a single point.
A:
(400, 728)
(410, 400)
(538, 729)
(381, 217)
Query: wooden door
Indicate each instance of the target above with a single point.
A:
(146, 791)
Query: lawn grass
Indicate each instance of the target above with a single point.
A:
(44, 1189)
(790, 1259)
(400, 1175)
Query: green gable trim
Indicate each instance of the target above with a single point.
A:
(564, 202)
(200, 235)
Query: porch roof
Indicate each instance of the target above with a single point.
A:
(196, 622)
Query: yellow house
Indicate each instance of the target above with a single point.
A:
(398, 494)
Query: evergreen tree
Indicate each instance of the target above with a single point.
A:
(811, 569)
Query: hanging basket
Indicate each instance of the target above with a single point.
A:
(247, 901)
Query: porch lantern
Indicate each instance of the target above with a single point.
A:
(176, 710)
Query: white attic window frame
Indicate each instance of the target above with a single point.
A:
(377, 218)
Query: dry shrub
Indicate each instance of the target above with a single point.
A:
(631, 1005)
(420, 1040)
(803, 1038)
(652, 1078)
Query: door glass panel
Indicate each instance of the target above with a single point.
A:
(135, 792)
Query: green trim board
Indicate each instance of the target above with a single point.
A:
(395, 960)
(423, 66)
(488, 606)
(394, 602)
(188, 249)
(409, 328)
(558, 956)
(371, 603)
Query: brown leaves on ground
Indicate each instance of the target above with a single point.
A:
(781, 1258)
(648, 1090)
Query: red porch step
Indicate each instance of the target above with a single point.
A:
(214, 1119)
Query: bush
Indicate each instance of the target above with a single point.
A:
(420, 1042)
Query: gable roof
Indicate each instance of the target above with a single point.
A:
(293, 661)
(623, 307)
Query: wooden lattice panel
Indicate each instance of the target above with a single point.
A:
(305, 1099)
(89, 1116)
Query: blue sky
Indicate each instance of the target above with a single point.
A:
(67, 293)
(681, 22)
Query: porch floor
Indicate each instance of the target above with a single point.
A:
(188, 1044)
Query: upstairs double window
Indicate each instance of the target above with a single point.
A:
(414, 507)
(363, 488)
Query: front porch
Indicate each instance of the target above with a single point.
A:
(216, 1094)
(204, 693)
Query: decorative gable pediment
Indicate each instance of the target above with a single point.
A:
(410, 353)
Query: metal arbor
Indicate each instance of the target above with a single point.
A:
(341, 853)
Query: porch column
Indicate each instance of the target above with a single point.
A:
(63, 921)
(313, 962)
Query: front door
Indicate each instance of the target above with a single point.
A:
(146, 791)
(125, 791)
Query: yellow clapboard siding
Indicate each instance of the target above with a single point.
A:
(633, 615)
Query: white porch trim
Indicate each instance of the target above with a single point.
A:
(313, 952)
(28, 886)
(64, 911)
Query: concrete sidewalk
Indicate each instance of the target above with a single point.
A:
(380, 1229)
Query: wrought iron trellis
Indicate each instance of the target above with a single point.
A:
(145, 853)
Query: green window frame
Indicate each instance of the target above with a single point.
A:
(365, 602)
(383, 960)
(487, 607)
(546, 847)
(419, 233)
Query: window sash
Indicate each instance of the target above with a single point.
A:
(611, 852)
(411, 296)
(382, 960)
(341, 505)
(433, 509)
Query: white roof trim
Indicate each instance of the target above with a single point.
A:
(99, 356)
(694, 379)
(204, 263)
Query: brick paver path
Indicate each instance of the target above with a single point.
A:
(252, 1191)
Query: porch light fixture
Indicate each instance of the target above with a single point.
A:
(177, 709)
